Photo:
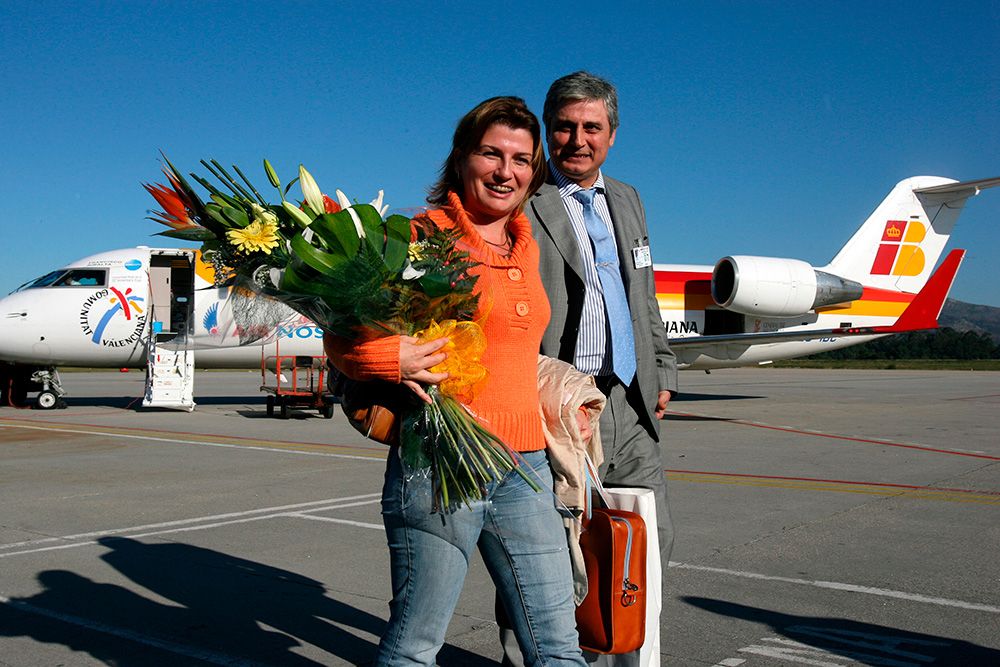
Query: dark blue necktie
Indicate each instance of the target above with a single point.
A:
(610, 275)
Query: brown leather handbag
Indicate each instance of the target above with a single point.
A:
(612, 617)
(372, 408)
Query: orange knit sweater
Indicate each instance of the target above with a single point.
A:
(513, 311)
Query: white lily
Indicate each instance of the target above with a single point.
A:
(377, 204)
(411, 273)
(342, 199)
(276, 274)
(311, 191)
(297, 213)
(345, 204)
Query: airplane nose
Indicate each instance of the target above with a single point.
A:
(13, 319)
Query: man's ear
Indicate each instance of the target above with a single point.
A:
(611, 141)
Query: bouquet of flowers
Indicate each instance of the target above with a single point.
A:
(357, 274)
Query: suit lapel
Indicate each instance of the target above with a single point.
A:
(551, 216)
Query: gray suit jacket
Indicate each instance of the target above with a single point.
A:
(562, 272)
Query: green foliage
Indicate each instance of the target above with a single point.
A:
(945, 343)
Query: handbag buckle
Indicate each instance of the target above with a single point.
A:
(628, 599)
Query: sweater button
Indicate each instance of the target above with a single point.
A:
(514, 274)
(521, 308)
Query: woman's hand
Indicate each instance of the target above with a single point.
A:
(415, 361)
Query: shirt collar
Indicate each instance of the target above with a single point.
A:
(567, 187)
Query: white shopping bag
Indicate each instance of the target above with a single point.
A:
(643, 503)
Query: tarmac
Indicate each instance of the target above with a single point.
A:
(823, 517)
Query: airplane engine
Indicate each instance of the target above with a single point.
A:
(777, 287)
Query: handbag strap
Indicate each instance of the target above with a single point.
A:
(593, 483)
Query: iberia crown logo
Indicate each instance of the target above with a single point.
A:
(899, 253)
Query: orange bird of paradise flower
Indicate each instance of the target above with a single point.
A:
(177, 204)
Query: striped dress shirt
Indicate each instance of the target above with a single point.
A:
(593, 343)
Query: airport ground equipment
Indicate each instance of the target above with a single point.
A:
(299, 382)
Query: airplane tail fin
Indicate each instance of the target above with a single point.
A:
(899, 244)
(925, 309)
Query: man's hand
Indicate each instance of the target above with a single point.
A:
(415, 361)
(661, 404)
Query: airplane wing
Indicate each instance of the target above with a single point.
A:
(921, 314)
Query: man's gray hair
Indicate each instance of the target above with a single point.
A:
(576, 87)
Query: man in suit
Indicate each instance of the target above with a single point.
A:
(597, 271)
(598, 274)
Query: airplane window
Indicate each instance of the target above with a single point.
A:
(83, 277)
(44, 281)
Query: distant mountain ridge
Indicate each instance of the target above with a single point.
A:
(962, 316)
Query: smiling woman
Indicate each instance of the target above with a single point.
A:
(497, 176)
(495, 164)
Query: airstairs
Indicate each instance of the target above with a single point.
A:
(170, 358)
(169, 377)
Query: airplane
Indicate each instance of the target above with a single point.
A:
(135, 307)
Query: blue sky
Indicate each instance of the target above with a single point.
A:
(769, 128)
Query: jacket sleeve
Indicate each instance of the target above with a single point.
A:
(666, 361)
(375, 359)
(562, 391)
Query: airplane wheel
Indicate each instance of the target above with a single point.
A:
(284, 410)
(270, 406)
(46, 400)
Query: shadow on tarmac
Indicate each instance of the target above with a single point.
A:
(216, 606)
(135, 402)
(818, 640)
(684, 397)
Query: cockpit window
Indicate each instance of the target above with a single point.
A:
(44, 281)
(81, 277)
(69, 278)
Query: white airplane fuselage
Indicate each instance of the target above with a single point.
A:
(105, 310)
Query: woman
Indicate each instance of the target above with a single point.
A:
(496, 163)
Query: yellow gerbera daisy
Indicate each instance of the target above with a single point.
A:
(257, 236)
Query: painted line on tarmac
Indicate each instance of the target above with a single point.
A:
(196, 652)
(835, 436)
(182, 525)
(346, 522)
(839, 486)
(847, 588)
(231, 441)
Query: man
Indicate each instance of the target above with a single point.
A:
(596, 267)
(598, 275)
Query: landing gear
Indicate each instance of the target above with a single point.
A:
(46, 400)
(51, 393)
(17, 380)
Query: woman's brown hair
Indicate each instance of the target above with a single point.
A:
(511, 112)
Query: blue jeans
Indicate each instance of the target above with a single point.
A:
(522, 541)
